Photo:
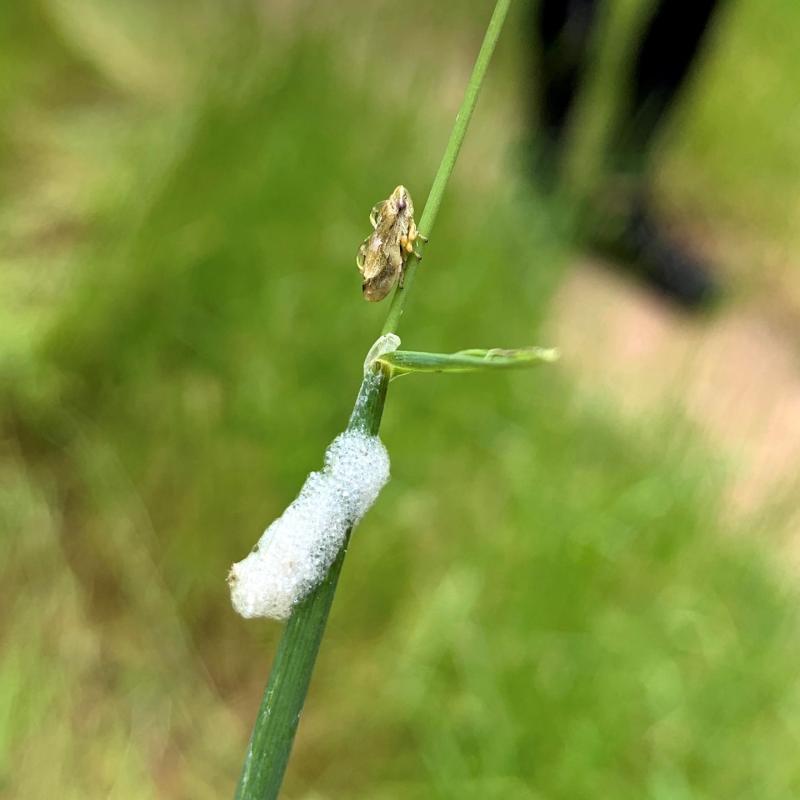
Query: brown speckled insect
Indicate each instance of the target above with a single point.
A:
(382, 255)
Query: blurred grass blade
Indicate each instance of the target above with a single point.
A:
(404, 362)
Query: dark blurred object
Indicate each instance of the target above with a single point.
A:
(632, 231)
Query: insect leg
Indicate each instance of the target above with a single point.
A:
(413, 235)
(361, 255)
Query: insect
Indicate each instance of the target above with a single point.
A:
(382, 256)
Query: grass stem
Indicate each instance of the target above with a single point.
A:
(448, 161)
(275, 726)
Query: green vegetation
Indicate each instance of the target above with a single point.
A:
(543, 603)
(270, 744)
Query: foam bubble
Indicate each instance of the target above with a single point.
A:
(295, 552)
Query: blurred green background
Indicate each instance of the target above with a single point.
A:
(547, 601)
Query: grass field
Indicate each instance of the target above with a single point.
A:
(543, 604)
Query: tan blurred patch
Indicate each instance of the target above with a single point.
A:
(735, 374)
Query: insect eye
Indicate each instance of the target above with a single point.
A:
(401, 205)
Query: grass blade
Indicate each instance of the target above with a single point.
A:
(405, 362)
(275, 726)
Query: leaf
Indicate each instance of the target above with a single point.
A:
(404, 362)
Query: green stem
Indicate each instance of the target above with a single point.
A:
(448, 161)
(279, 714)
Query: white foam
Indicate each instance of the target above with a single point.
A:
(295, 552)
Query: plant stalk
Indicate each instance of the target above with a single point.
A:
(448, 161)
(279, 714)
